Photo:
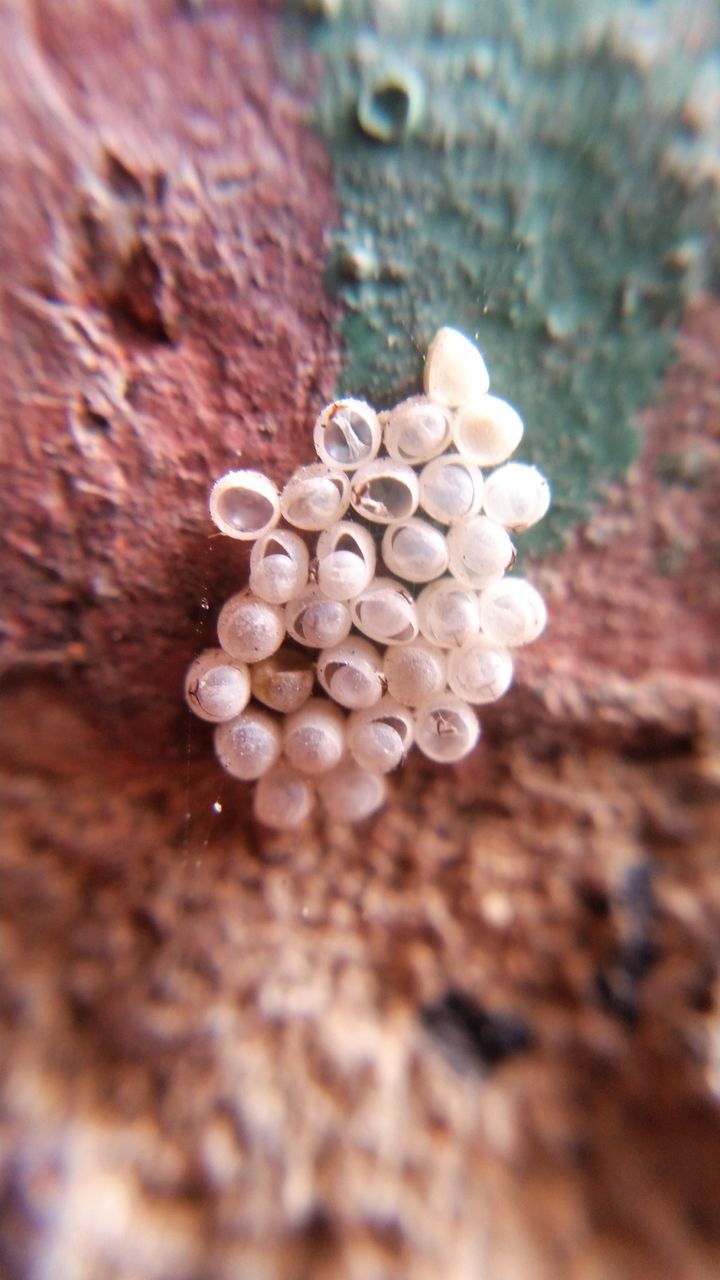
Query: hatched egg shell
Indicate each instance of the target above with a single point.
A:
(351, 673)
(314, 620)
(380, 737)
(278, 566)
(446, 728)
(347, 434)
(384, 491)
(454, 368)
(385, 612)
(244, 504)
(415, 550)
(345, 560)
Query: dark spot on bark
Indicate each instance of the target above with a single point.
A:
(617, 985)
(652, 743)
(594, 899)
(81, 1010)
(135, 304)
(159, 187)
(638, 893)
(121, 180)
(313, 1245)
(146, 925)
(122, 265)
(94, 421)
(701, 991)
(616, 994)
(318, 1226)
(473, 1036)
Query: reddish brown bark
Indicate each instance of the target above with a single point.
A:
(477, 1036)
(162, 316)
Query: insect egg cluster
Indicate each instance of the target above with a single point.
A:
(377, 613)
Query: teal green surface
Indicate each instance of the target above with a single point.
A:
(529, 173)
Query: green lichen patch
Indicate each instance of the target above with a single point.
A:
(523, 172)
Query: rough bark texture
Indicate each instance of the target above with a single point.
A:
(476, 1037)
(162, 211)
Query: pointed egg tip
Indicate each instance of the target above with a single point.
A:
(454, 369)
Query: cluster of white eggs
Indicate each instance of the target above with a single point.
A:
(398, 621)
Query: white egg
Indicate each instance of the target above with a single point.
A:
(454, 368)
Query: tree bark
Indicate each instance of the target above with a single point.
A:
(476, 1036)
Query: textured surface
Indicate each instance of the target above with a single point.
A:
(162, 316)
(476, 1037)
(479, 1036)
(539, 175)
